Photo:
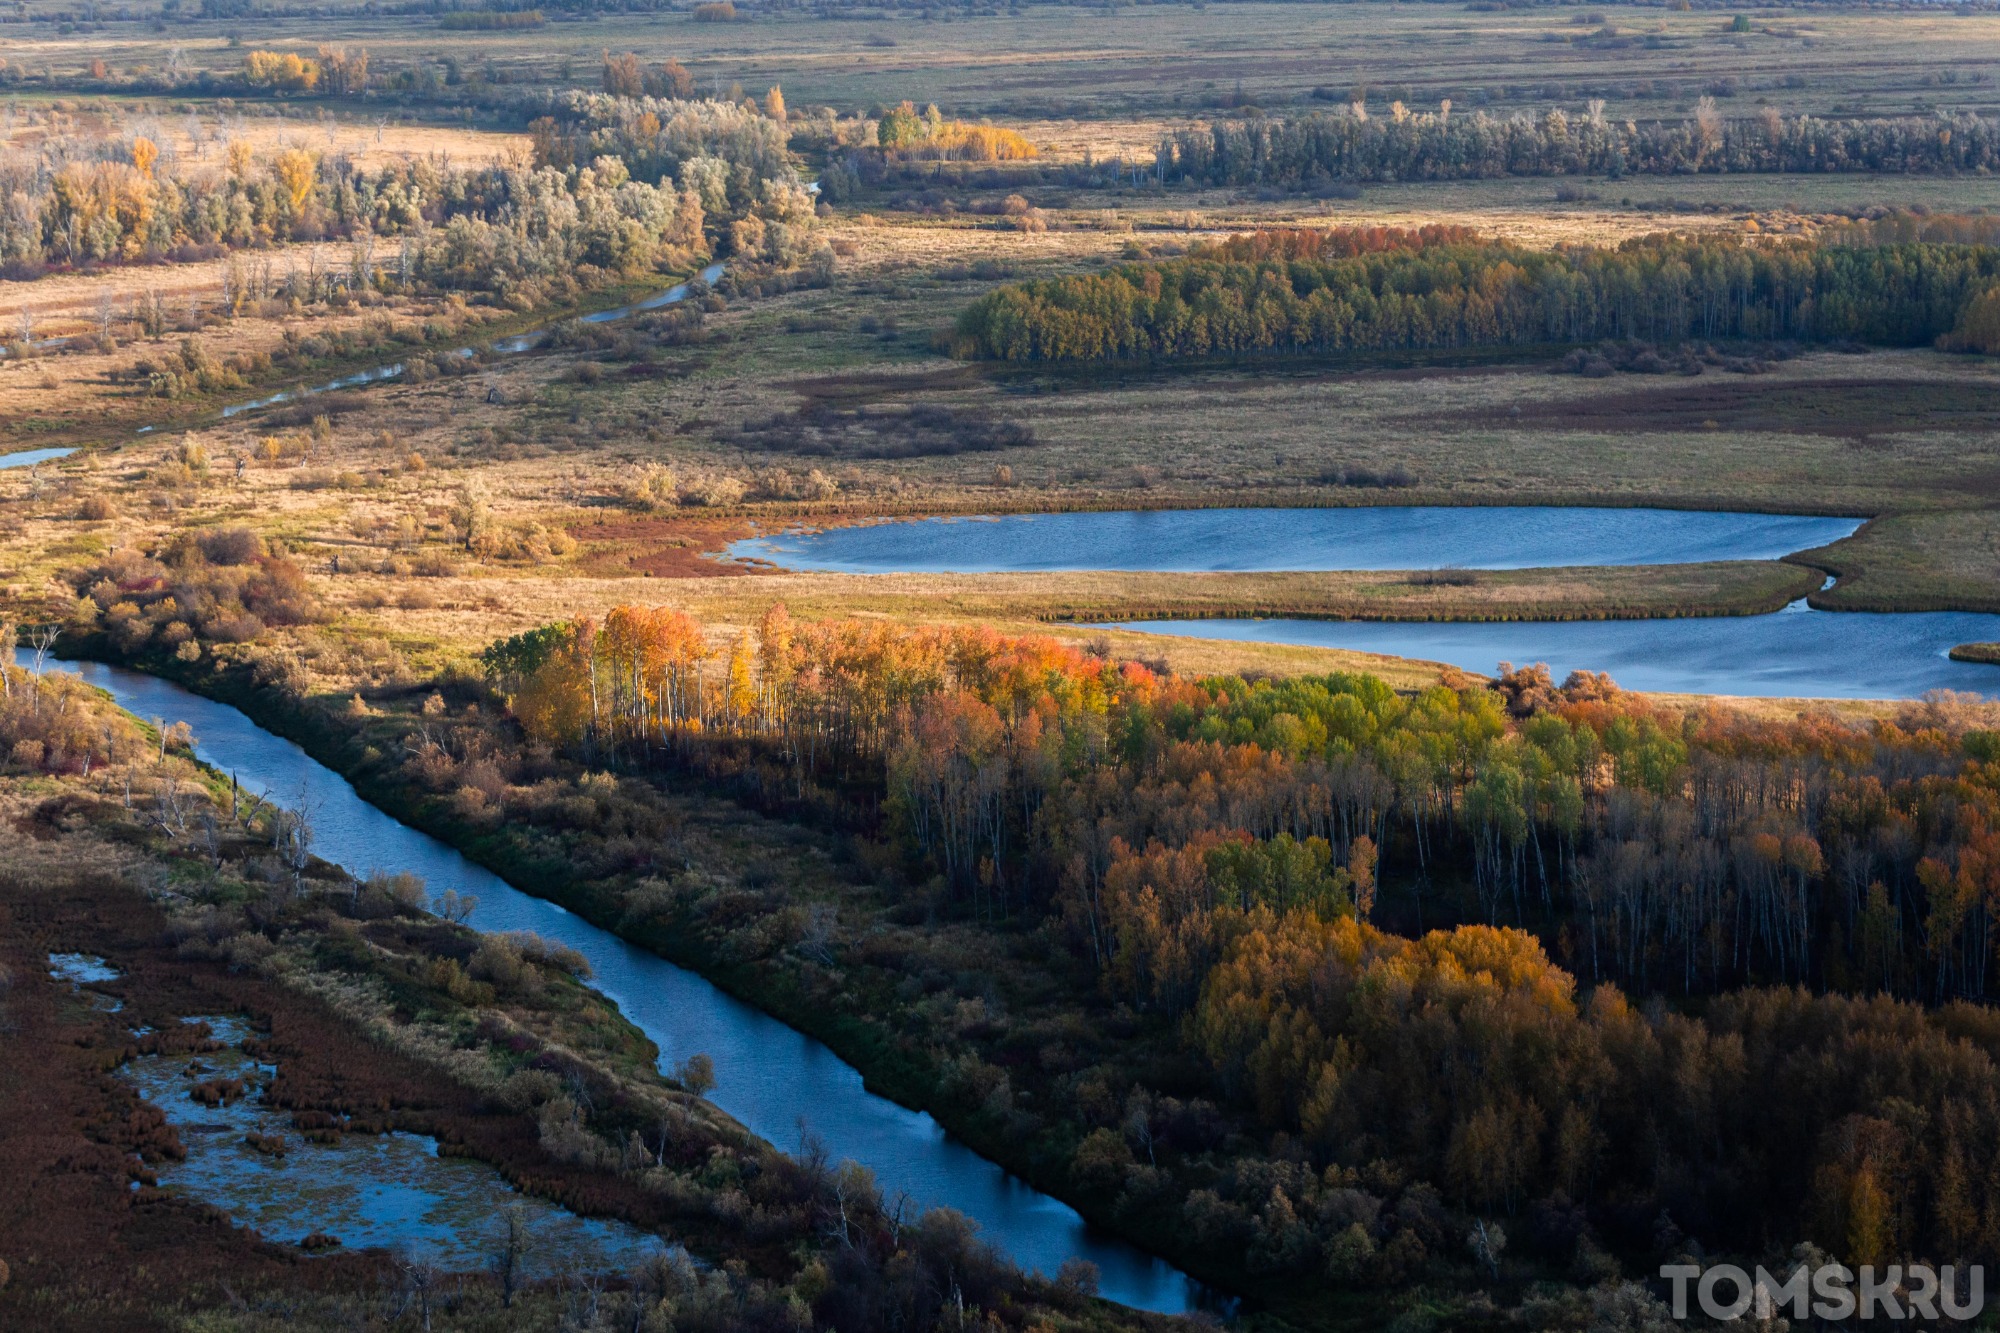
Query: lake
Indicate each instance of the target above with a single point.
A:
(1382, 537)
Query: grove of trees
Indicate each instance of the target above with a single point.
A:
(1353, 145)
(648, 185)
(1368, 289)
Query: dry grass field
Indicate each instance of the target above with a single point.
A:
(1160, 61)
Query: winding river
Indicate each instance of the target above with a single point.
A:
(1794, 653)
(520, 342)
(772, 1078)
(1797, 653)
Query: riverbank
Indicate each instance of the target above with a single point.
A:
(513, 1061)
(910, 1072)
(1642, 592)
(1000, 1025)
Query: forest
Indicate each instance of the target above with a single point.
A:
(1354, 145)
(1445, 287)
(1331, 891)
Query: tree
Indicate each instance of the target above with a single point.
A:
(622, 77)
(696, 1074)
(297, 170)
(511, 1251)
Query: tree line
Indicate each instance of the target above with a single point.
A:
(1354, 145)
(1442, 287)
(642, 190)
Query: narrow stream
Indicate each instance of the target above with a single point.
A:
(520, 342)
(772, 1078)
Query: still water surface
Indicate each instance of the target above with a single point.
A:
(773, 1079)
(30, 457)
(1384, 537)
(1794, 653)
(388, 1190)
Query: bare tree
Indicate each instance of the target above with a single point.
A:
(420, 1280)
(211, 837)
(510, 1258)
(292, 836)
(42, 638)
(816, 942)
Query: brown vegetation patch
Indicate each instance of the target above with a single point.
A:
(666, 548)
(1854, 408)
(87, 1250)
(868, 387)
(888, 430)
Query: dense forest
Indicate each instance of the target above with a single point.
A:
(1354, 145)
(1333, 892)
(650, 185)
(1368, 289)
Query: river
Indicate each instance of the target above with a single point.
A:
(772, 1078)
(1794, 653)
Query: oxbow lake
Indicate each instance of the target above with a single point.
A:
(1797, 652)
(1379, 537)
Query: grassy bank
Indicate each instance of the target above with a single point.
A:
(382, 1018)
(1915, 562)
(1721, 588)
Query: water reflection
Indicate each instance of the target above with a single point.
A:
(30, 457)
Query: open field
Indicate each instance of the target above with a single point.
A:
(1165, 60)
(1885, 432)
(199, 133)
